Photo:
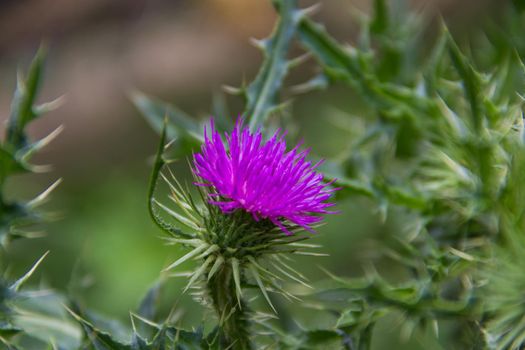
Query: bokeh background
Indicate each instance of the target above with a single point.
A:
(181, 51)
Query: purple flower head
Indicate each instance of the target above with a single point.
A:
(261, 178)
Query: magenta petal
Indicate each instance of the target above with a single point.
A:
(261, 177)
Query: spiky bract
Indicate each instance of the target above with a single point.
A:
(233, 251)
(234, 240)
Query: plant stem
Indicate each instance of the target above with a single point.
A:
(365, 338)
(234, 322)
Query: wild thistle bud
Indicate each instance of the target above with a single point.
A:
(256, 196)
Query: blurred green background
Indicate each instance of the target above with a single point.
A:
(181, 51)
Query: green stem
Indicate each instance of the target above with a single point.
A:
(234, 322)
(262, 93)
(365, 338)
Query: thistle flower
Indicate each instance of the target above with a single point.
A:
(256, 195)
(261, 178)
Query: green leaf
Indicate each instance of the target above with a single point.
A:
(237, 279)
(200, 272)
(171, 338)
(186, 340)
(157, 167)
(180, 127)
(380, 19)
(326, 338)
(470, 79)
(41, 316)
(336, 60)
(256, 276)
(22, 105)
(355, 68)
(192, 254)
(138, 343)
(8, 330)
(9, 164)
(7, 345)
(219, 261)
(16, 218)
(350, 186)
(98, 339)
(16, 285)
(24, 154)
(262, 93)
(16, 151)
(148, 305)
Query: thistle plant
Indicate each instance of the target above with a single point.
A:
(16, 218)
(21, 311)
(437, 146)
(437, 149)
(256, 197)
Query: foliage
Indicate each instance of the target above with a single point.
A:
(27, 317)
(16, 150)
(439, 145)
